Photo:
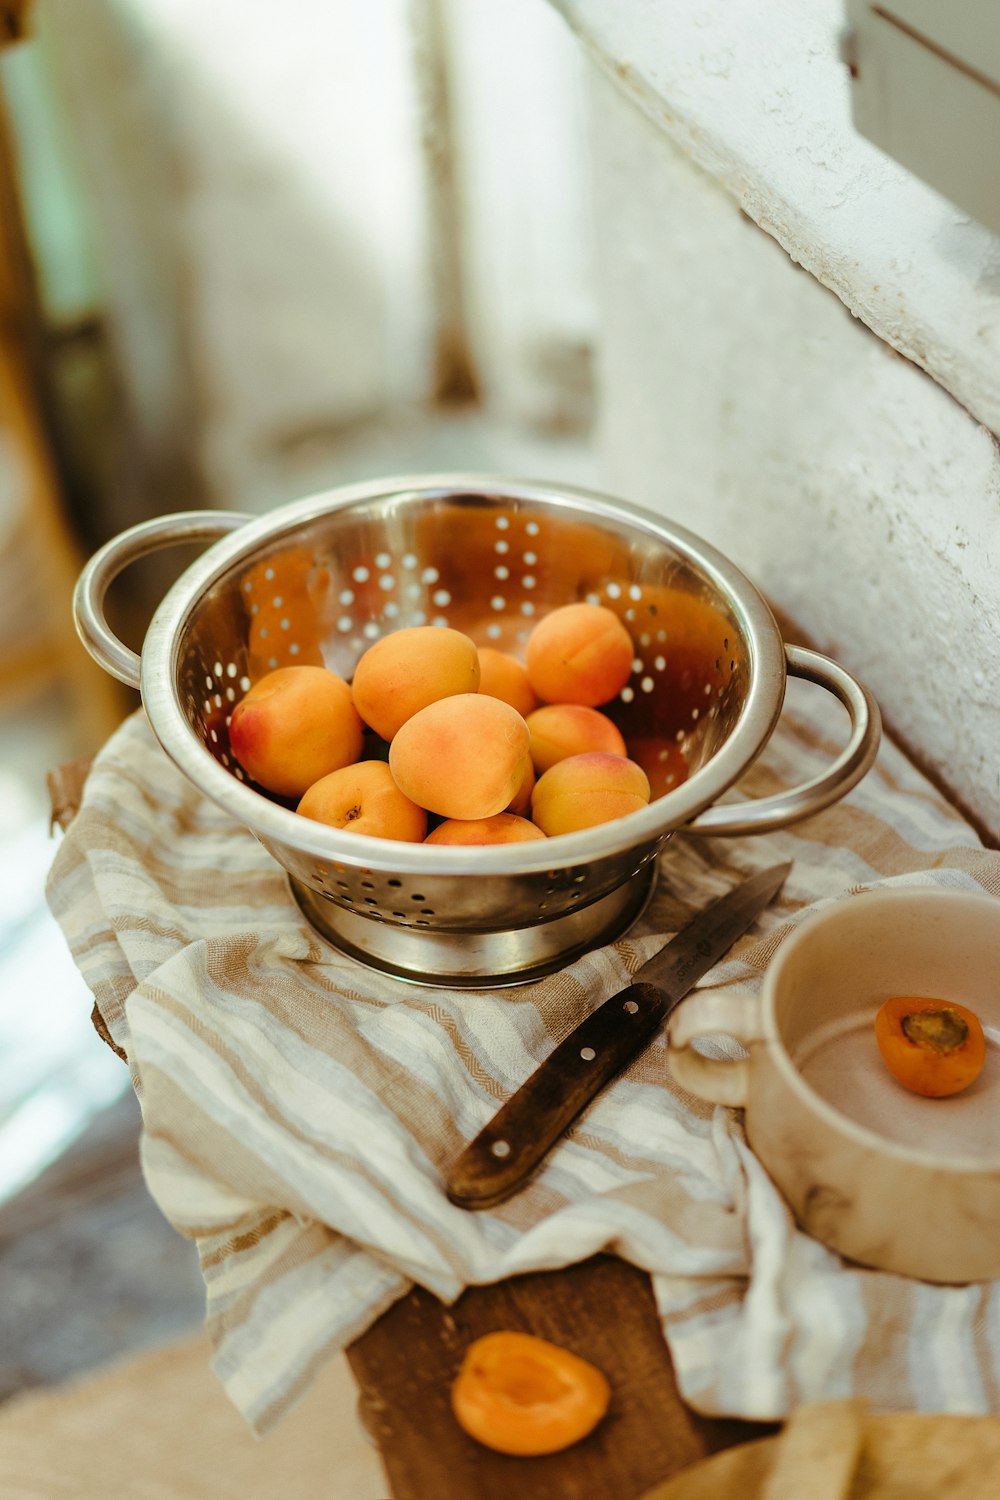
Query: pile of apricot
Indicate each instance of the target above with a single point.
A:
(435, 733)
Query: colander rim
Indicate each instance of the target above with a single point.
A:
(272, 823)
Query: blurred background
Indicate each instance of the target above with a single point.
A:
(248, 252)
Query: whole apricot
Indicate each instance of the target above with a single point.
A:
(461, 757)
(405, 671)
(520, 803)
(502, 676)
(561, 729)
(294, 726)
(585, 790)
(580, 653)
(364, 798)
(502, 828)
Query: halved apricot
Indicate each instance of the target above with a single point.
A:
(519, 1394)
(933, 1047)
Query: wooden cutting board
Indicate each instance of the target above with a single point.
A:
(835, 1450)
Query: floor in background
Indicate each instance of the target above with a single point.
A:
(89, 1270)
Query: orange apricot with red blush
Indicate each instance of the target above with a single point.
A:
(520, 803)
(579, 653)
(559, 730)
(503, 676)
(293, 726)
(461, 757)
(586, 790)
(364, 798)
(405, 671)
(502, 828)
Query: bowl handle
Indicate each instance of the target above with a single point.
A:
(718, 1012)
(812, 796)
(105, 565)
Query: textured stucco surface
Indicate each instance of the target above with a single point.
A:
(740, 397)
(759, 98)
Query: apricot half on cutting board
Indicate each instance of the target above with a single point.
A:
(519, 1394)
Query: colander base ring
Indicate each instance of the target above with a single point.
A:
(477, 960)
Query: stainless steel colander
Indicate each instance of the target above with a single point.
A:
(319, 580)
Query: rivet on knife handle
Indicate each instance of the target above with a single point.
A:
(520, 1133)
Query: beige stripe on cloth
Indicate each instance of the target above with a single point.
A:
(299, 1110)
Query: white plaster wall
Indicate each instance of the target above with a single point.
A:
(739, 396)
(758, 96)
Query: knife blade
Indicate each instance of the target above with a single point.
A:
(507, 1150)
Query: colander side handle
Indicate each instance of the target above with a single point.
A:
(769, 813)
(114, 557)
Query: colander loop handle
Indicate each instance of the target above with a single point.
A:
(114, 557)
(845, 771)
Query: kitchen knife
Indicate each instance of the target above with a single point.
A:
(502, 1155)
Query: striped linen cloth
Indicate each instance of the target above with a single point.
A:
(299, 1111)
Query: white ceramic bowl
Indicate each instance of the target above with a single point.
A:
(880, 1174)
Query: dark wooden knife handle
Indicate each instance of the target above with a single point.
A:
(521, 1132)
